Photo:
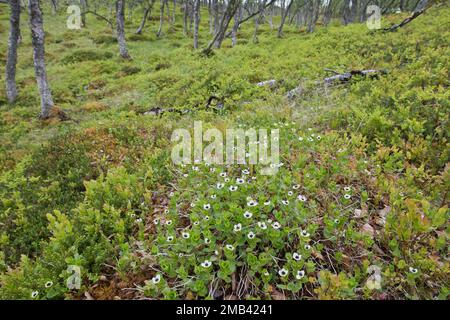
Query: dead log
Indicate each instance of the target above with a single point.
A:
(337, 78)
(347, 76)
(268, 83)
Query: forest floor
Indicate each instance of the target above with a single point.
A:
(358, 209)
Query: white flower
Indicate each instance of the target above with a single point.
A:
(237, 227)
(283, 272)
(192, 204)
(296, 256)
(195, 168)
(156, 279)
(156, 221)
(262, 225)
(206, 218)
(169, 239)
(240, 181)
(276, 225)
(290, 193)
(310, 139)
(169, 222)
(34, 294)
(252, 203)
(48, 284)
(185, 235)
(269, 221)
(245, 171)
(347, 196)
(206, 264)
(223, 174)
(301, 198)
(300, 138)
(347, 189)
(267, 203)
(285, 202)
(307, 247)
(336, 221)
(212, 169)
(185, 175)
(207, 241)
(300, 274)
(207, 206)
(233, 188)
(248, 214)
(171, 194)
(213, 196)
(219, 185)
(196, 223)
(250, 235)
(305, 233)
(318, 137)
(166, 211)
(413, 270)
(229, 247)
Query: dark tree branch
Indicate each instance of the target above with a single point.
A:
(251, 16)
(99, 16)
(407, 20)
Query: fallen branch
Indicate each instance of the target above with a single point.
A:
(407, 20)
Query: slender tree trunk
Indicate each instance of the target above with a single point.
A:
(346, 12)
(283, 19)
(211, 18)
(219, 36)
(54, 6)
(174, 12)
(144, 20)
(327, 13)
(258, 19)
(161, 18)
(216, 8)
(313, 14)
(120, 17)
(185, 17)
(84, 8)
(271, 16)
(13, 41)
(37, 39)
(196, 22)
(237, 18)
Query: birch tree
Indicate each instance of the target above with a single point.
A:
(283, 19)
(13, 41)
(196, 22)
(37, 39)
(120, 24)
(219, 36)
